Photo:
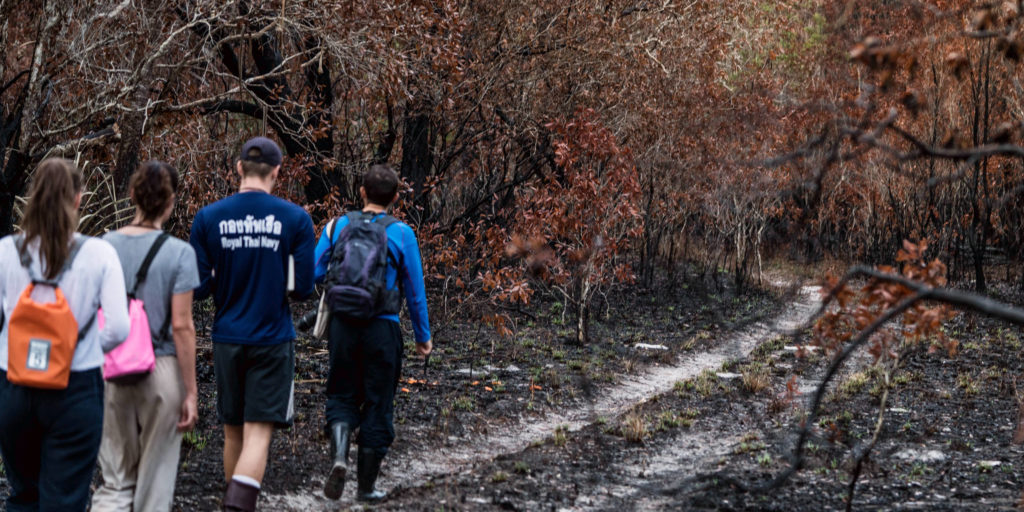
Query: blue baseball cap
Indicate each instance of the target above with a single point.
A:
(261, 150)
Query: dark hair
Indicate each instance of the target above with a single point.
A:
(153, 187)
(380, 183)
(51, 215)
(257, 169)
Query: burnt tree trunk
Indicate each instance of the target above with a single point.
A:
(416, 155)
(128, 150)
(14, 179)
(306, 133)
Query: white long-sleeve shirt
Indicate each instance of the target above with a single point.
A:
(94, 280)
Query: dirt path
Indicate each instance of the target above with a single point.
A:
(516, 435)
(690, 452)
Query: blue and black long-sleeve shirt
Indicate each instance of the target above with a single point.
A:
(406, 251)
(243, 244)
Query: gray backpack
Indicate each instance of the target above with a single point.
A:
(356, 281)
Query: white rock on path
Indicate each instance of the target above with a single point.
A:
(488, 369)
(648, 346)
(794, 348)
(921, 456)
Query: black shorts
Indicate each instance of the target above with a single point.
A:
(255, 383)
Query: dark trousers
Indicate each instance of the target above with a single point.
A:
(365, 365)
(49, 440)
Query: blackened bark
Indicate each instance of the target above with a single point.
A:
(318, 121)
(128, 150)
(387, 139)
(416, 157)
(979, 268)
(6, 212)
(15, 169)
(14, 180)
(307, 133)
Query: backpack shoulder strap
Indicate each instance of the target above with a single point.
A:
(386, 221)
(26, 259)
(336, 227)
(165, 329)
(353, 216)
(23, 256)
(75, 247)
(140, 276)
(88, 325)
(19, 245)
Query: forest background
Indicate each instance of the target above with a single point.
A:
(560, 147)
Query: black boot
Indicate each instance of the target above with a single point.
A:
(240, 497)
(335, 484)
(368, 467)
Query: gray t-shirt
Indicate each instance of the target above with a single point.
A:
(173, 271)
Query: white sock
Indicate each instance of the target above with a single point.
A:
(247, 480)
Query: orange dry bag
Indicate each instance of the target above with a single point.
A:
(41, 337)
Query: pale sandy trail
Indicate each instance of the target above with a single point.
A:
(516, 435)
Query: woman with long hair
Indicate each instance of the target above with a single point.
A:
(50, 437)
(144, 421)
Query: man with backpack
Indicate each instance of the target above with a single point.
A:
(254, 252)
(368, 258)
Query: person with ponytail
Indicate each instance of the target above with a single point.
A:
(50, 438)
(143, 421)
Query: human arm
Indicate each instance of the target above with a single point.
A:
(322, 253)
(197, 239)
(184, 333)
(302, 253)
(415, 291)
(113, 297)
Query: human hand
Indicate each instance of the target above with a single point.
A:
(424, 349)
(189, 413)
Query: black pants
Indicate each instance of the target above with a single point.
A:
(49, 440)
(365, 365)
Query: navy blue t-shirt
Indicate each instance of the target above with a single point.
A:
(243, 244)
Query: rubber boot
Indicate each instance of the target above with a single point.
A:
(335, 484)
(368, 468)
(240, 497)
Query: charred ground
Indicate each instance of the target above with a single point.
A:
(945, 443)
(477, 380)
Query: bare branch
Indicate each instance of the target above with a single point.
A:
(73, 147)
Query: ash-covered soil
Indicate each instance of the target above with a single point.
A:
(479, 426)
(476, 384)
(945, 441)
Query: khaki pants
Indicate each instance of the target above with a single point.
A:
(141, 442)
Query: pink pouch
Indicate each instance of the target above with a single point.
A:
(133, 359)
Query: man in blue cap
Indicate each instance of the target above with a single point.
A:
(255, 251)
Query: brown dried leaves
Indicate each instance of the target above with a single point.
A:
(855, 311)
